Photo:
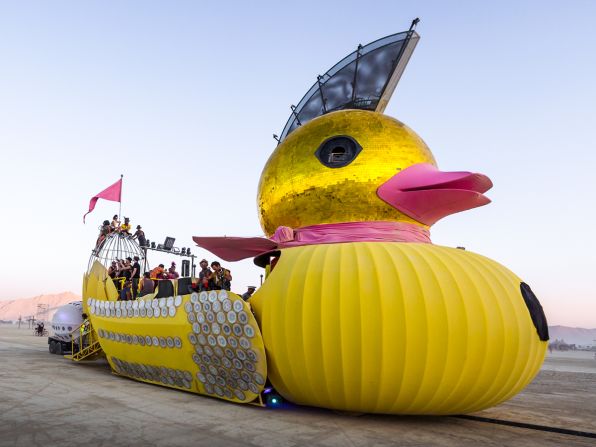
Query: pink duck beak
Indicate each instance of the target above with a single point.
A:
(426, 194)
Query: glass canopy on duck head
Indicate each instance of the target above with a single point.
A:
(364, 79)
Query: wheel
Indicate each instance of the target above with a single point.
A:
(58, 350)
(52, 347)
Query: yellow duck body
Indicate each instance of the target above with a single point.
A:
(384, 327)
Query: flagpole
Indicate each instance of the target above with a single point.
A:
(120, 205)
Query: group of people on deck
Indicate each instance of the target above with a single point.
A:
(122, 228)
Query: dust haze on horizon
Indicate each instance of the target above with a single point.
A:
(183, 98)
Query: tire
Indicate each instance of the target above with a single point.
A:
(58, 349)
(52, 347)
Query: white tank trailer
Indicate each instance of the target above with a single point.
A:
(66, 319)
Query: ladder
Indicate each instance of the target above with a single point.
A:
(88, 347)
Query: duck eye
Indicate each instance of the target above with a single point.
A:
(339, 151)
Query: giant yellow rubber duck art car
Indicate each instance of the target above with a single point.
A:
(361, 312)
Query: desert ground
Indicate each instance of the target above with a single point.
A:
(47, 400)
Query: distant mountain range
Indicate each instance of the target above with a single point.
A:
(573, 335)
(11, 310)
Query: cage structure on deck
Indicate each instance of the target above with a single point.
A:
(116, 246)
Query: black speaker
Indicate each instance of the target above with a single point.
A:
(185, 268)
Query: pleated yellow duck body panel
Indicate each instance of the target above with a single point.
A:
(400, 328)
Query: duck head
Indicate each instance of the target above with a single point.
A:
(357, 166)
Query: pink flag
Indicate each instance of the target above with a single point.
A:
(112, 193)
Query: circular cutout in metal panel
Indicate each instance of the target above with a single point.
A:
(201, 377)
(202, 339)
(249, 331)
(253, 388)
(211, 340)
(194, 297)
(177, 300)
(252, 355)
(130, 313)
(210, 379)
(210, 317)
(162, 342)
(172, 311)
(155, 302)
(226, 305)
(188, 307)
(206, 328)
(208, 388)
(237, 330)
(170, 342)
(220, 381)
(118, 313)
(129, 305)
(233, 342)
(148, 340)
(215, 330)
(221, 341)
(242, 317)
(220, 317)
(111, 304)
(206, 306)
(203, 296)
(240, 354)
(216, 306)
(235, 375)
(244, 342)
(164, 312)
(242, 385)
(229, 353)
(135, 305)
(199, 349)
(143, 312)
(177, 342)
(237, 363)
(226, 329)
(196, 328)
(249, 366)
(136, 312)
(232, 317)
(222, 295)
(239, 395)
(155, 341)
(226, 362)
(208, 350)
(135, 339)
(191, 317)
(245, 376)
(141, 340)
(170, 301)
(259, 379)
(238, 305)
(200, 317)
(212, 296)
(192, 338)
(197, 307)
(150, 312)
(162, 302)
(197, 359)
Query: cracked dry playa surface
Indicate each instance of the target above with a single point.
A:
(49, 400)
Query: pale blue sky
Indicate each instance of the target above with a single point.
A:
(182, 98)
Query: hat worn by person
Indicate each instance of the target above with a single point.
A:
(138, 227)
